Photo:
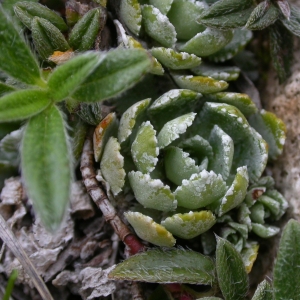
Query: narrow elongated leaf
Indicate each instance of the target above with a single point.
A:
(16, 58)
(85, 31)
(286, 270)
(27, 10)
(150, 231)
(22, 104)
(47, 38)
(67, 78)
(158, 26)
(46, 165)
(174, 265)
(263, 291)
(118, 71)
(231, 272)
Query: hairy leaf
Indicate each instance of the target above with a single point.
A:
(67, 78)
(293, 22)
(174, 265)
(27, 10)
(286, 270)
(118, 71)
(46, 165)
(263, 291)
(23, 104)
(16, 58)
(4, 88)
(231, 272)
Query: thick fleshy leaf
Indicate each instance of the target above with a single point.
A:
(46, 165)
(16, 59)
(231, 272)
(151, 193)
(107, 127)
(207, 42)
(84, 33)
(174, 265)
(249, 148)
(200, 190)
(263, 291)
(241, 101)
(158, 26)
(264, 14)
(179, 165)
(112, 164)
(240, 38)
(130, 119)
(283, 204)
(257, 213)
(47, 38)
(171, 105)
(272, 130)
(150, 231)
(236, 193)
(265, 231)
(293, 22)
(67, 78)
(175, 60)
(188, 11)
(172, 129)
(118, 71)
(200, 84)
(144, 148)
(131, 14)
(271, 204)
(163, 5)
(249, 255)
(225, 14)
(23, 104)
(226, 73)
(27, 10)
(189, 225)
(286, 270)
(223, 149)
(4, 89)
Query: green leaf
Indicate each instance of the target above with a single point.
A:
(265, 231)
(272, 130)
(236, 193)
(189, 225)
(175, 60)
(26, 11)
(4, 89)
(66, 78)
(281, 48)
(118, 71)
(227, 14)
(10, 285)
(264, 14)
(207, 42)
(188, 11)
(46, 165)
(174, 265)
(223, 149)
(16, 58)
(150, 231)
(47, 38)
(249, 255)
(158, 26)
(286, 270)
(200, 84)
(112, 164)
(144, 148)
(200, 190)
(23, 104)
(163, 5)
(263, 291)
(131, 14)
(293, 22)
(172, 129)
(231, 272)
(84, 33)
(151, 193)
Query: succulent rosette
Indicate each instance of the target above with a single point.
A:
(193, 162)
